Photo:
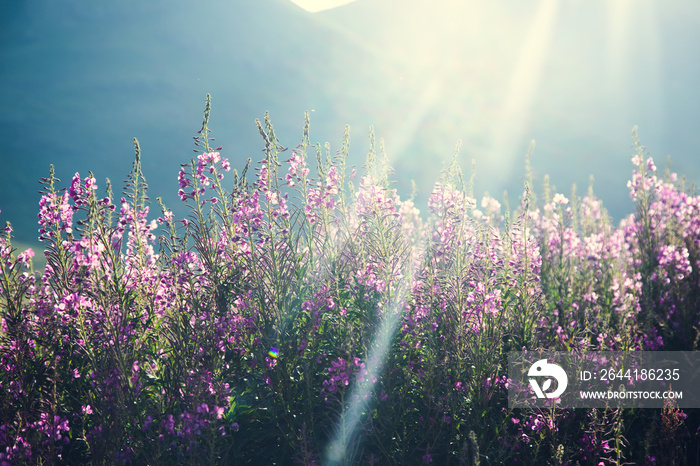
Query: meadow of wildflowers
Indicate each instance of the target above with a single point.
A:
(307, 314)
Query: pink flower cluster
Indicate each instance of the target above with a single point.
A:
(242, 332)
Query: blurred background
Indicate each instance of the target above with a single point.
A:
(79, 79)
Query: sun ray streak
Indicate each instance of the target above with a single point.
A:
(510, 127)
(618, 40)
(361, 394)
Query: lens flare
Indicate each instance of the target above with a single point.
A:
(274, 353)
(337, 450)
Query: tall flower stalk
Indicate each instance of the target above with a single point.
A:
(303, 312)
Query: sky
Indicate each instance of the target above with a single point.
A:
(80, 79)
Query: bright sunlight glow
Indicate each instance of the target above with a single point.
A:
(314, 6)
(508, 135)
(474, 67)
(437, 29)
(480, 67)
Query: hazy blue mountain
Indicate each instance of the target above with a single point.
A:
(79, 80)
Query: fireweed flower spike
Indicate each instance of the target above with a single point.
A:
(148, 341)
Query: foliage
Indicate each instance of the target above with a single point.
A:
(296, 318)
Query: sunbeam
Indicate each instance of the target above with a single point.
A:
(652, 103)
(506, 137)
(436, 55)
(509, 130)
(618, 40)
(360, 396)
